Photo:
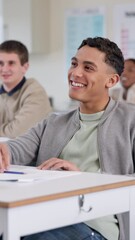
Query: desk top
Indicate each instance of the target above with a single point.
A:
(13, 194)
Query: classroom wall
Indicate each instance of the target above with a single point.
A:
(49, 69)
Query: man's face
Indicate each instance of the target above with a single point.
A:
(11, 70)
(128, 75)
(89, 76)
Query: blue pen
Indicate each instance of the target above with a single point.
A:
(8, 180)
(13, 172)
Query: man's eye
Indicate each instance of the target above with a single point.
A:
(1, 64)
(73, 64)
(11, 63)
(89, 68)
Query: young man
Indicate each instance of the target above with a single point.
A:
(99, 136)
(127, 90)
(23, 102)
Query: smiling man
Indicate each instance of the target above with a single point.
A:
(98, 136)
(90, 78)
(20, 98)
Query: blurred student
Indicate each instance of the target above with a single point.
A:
(23, 102)
(127, 90)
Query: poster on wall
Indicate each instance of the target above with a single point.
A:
(123, 28)
(80, 24)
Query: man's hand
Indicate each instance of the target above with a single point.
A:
(58, 164)
(4, 157)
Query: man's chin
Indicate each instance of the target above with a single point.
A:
(73, 97)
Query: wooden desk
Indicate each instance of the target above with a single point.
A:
(27, 208)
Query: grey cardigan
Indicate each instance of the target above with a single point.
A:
(115, 136)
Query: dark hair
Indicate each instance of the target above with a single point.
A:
(13, 46)
(113, 54)
(130, 59)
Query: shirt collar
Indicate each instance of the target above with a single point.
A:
(15, 89)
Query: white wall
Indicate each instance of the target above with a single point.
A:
(50, 69)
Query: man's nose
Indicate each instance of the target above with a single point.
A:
(77, 72)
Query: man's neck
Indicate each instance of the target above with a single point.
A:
(10, 86)
(91, 108)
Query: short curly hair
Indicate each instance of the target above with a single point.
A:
(113, 54)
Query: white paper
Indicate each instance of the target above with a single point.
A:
(33, 174)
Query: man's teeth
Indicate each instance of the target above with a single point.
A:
(75, 84)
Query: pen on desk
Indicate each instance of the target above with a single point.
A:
(8, 180)
(13, 172)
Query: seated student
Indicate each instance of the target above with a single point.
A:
(23, 102)
(127, 90)
(98, 136)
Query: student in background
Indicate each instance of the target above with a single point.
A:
(98, 136)
(23, 102)
(127, 90)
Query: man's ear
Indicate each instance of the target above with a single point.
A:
(25, 67)
(113, 80)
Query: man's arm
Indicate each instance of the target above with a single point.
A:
(4, 157)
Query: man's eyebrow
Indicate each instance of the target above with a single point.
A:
(90, 63)
(74, 58)
(86, 62)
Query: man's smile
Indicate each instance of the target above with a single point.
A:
(77, 84)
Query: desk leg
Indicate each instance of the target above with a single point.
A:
(132, 214)
(8, 224)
